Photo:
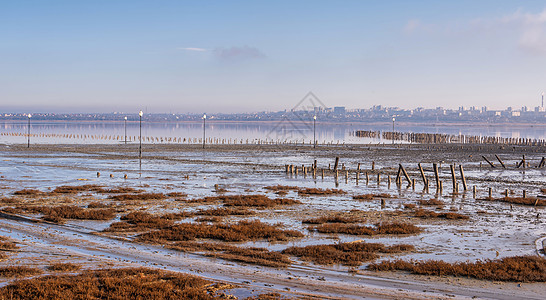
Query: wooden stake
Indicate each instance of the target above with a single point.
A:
(425, 180)
(487, 160)
(463, 177)
(500, 161)
(336, 163)
(436, 175)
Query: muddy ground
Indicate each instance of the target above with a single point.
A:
(188, 173)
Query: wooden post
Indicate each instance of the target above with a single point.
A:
(378, 178)
(405, 174)
(358, 167)
(336, 163)
(436, 175)
(490, 193)
(373, 165)
(322, 173)
(425, 180)
(315, 164)
(487, 160)
(463, 177)
(474, 192)
(367, 178)
(524, 194)
(500, 161)
(453, 179)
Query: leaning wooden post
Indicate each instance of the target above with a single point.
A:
(436, 175)
(487, 160)
(336, 163)
(405, 174)
(425, 181)
(462, 177)
(474, 192)
(500, 161)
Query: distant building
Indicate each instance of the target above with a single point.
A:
(339, 110)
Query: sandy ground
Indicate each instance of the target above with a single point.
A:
(494, 229)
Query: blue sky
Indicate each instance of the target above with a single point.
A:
(227, 56)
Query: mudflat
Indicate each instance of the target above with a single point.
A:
(282, 220)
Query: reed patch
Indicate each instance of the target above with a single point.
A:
(517, 268)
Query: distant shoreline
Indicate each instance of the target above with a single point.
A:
(212, 121)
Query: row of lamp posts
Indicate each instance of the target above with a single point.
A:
(140, 114)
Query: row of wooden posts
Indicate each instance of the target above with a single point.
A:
(439, 138)
(152, 139)
(293, 170)
(523, 163)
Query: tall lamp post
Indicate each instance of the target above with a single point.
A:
(28, 137)
(140, 134)
(393, 119)
(125, 123)
(204, 129)
(314, 131)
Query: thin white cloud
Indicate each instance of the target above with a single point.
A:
(194, 49)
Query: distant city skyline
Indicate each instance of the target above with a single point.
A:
(247, 56)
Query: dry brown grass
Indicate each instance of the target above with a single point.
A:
(428, 214)
(353, 229)
(28, 192)
(410, 206)
(129, 283)
(177, 195)
(518, 268)
(7, 245)
(64, 267)
(523, 201)
(74, 189)
(278, 187)
(320, 192)
(371, 196)
(139, 196)
(249, 200)
(224, 211)
(5, 200)
(350, 254)
(431, 202)
(57, 213)
(18, 271)
(211, 219)
(332, 219)
(251, 255)
(239, 232)
(139, 221)
(97, 205)
(69, 189)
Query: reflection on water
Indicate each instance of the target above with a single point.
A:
(114, 132)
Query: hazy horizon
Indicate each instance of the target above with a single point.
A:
(247, 56)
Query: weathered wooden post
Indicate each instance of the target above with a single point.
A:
(463, 177)
(453, 179)
(425, 180)
(436, 175)
(336, 163)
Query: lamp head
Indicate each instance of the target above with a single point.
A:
(125, 118)
(29, 116)
(204, 116)
(393, 119)
(140, 113)
(314, 117)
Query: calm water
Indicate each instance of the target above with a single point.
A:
(114, 132)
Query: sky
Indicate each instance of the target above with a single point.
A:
(250, 56)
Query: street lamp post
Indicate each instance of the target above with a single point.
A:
(140, 134)
(28, 137)
(125, 123)
(393, 119)
(204, 129)
(314, 131)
